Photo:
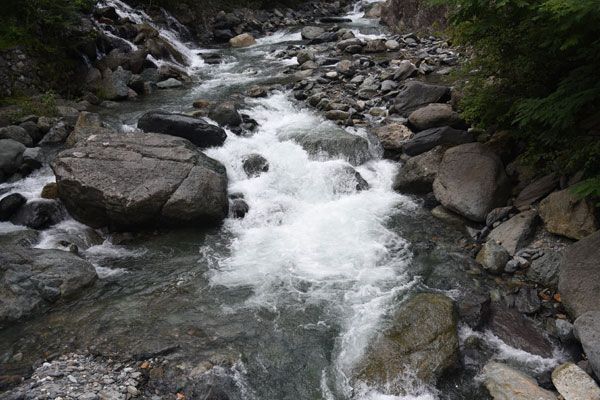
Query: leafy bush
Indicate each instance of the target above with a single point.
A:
(535, 71)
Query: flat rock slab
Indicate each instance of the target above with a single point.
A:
(136, 180)
(506, 383)
(579, 276)
(514, 233)
(414, 95)
(430, 138)
(574, 384)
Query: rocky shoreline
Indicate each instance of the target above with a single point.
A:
(530, 245)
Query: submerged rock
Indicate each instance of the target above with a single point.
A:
(134, 180)
(423, 339)
(506, 383)
(471, 181)
(196, 130)
(255, 164)
(335, 143)
(579, 276)
(31, 279)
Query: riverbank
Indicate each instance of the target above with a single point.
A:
(318, 260)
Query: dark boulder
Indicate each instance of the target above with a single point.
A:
(11, 157)
(10, 204)
(430, 138)
(255, 164)
(225, 114)
(196, 130)
(39, 214)
(414, 95)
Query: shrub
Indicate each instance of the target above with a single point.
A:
(534, 70)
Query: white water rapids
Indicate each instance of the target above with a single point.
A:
(310, 238)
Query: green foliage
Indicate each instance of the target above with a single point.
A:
(534, 70)
(42, 105)
(42, 25)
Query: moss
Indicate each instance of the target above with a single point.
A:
(42, 105)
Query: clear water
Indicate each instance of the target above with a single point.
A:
(284, 301)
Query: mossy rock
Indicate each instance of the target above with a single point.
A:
(422, 342)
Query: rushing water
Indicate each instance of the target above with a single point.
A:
(284, 301)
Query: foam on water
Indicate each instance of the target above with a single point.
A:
(533, 363)
(31, 187)
(308, 224)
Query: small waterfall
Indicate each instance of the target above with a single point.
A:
(171, 34)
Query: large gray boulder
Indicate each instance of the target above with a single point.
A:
(434, 115)
(135, 180)
(514, 233)
(16, 133)
(579, 276)
(418, 173)
(567, 215)
(196, 130)
(32, 279)
(471, 181)
(506, 383)
(587, 330)
(336, 143)
(415, 94)
(11, 157)
(430, 138)
(392, 136)
(423, 339)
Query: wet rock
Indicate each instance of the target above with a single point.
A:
(418, 173)
(518, 331)
(32, 129)
(304, 56)
(11, 157)
(50, 191)
(225, 114)
(243, 40)
(134, 180)
(579, 276)
(565, 214)
(10, 204)
(545, 269)
(311, 32)
(514, 234)
(222, 35)
(536, 190)
(114, 84)
(498, 215)
(415, 94)
(23, 238)
(430, 138)
(587, 331)
(257, 91)
(527, 300)
(506, 383)
(373, 10)
(442, 213)
(574, 384)
(375, 46)
(337, 115)
(32, 279)
(422, 339)
(493, 257)
(336, 143)
(238, 208)
(345, 67)
(434, 115)
(57, 134)
(255, 164)
(471, 181)
(196, 130)
(39, 214)
(17, 134)
(169, 84)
